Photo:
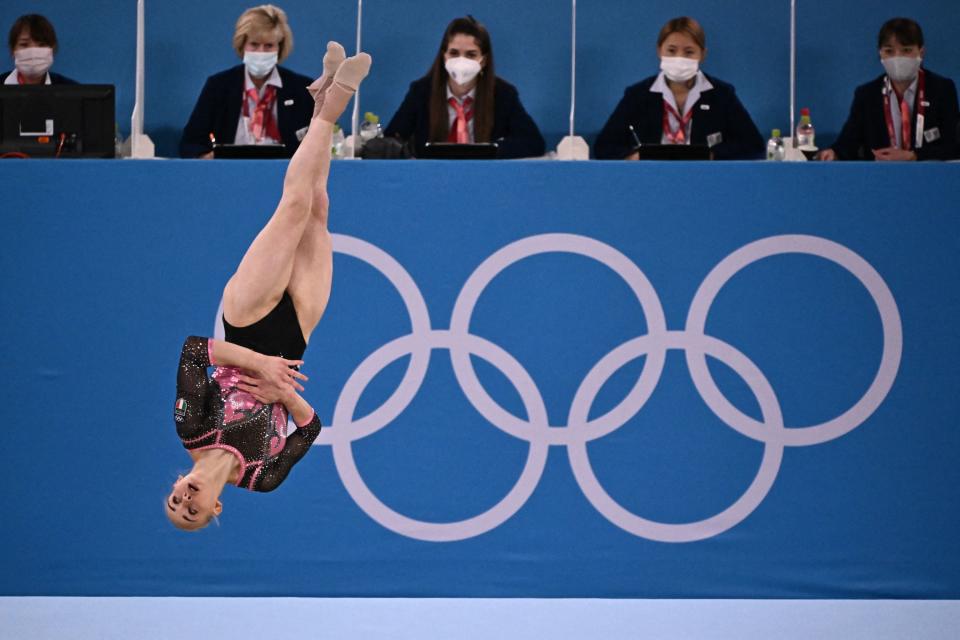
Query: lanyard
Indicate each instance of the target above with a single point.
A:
(680, 135)
(905, 114)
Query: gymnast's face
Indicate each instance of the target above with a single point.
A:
(191, 505)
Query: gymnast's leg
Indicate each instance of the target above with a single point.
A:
(312, 273)
(267, 267)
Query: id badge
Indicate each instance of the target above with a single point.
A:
(920, 133)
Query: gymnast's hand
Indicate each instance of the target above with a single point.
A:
(272, 379)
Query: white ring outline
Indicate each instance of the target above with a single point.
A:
(692, 531)
(859, 268)
(420, 529)
(556, 243)
(419, 316)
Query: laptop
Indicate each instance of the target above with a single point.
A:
(673, 151)
(250, 152)
(454, 151)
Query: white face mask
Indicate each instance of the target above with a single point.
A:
(679, 69)
(902, 69)
(33, 61)
(462, 70)
(259, 63)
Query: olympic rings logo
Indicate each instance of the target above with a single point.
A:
(771, 431)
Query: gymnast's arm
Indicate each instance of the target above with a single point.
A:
(193, 386)
(271, 376)
(296, 446)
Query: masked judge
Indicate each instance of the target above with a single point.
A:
(908, 113)
(680, 105)
(462, 100)
(32, 42)
(257, 102)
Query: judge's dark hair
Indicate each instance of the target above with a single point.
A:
(904, 30)
(39, 29)
(483, 100)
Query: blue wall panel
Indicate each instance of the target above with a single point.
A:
(748, 44)
(107, 266)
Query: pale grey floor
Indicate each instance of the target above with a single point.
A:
(468, 619)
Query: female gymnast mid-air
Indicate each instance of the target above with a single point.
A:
(233, 423)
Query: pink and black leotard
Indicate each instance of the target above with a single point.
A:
(212, 413)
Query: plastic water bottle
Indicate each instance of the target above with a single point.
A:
(117, 141)
(370, 127)
(337, 151)
(775, 148)
(806, 135)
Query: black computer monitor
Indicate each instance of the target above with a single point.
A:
(65, 120)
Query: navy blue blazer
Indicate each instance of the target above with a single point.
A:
(866, 126)
(55, 78)
(218, 110)
(717, 111)
(514, 131)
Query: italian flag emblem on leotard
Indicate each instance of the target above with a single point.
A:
(180, 408)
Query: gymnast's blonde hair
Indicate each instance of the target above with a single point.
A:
(259, 20)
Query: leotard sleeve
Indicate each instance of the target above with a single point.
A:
(193, 386)
(298, 444)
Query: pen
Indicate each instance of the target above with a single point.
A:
(633, 132)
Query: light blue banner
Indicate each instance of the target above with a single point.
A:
(538, 380)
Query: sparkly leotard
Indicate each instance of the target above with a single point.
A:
(212, 413)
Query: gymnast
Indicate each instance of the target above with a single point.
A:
(233, 423)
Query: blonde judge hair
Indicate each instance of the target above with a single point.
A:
(263, 19)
